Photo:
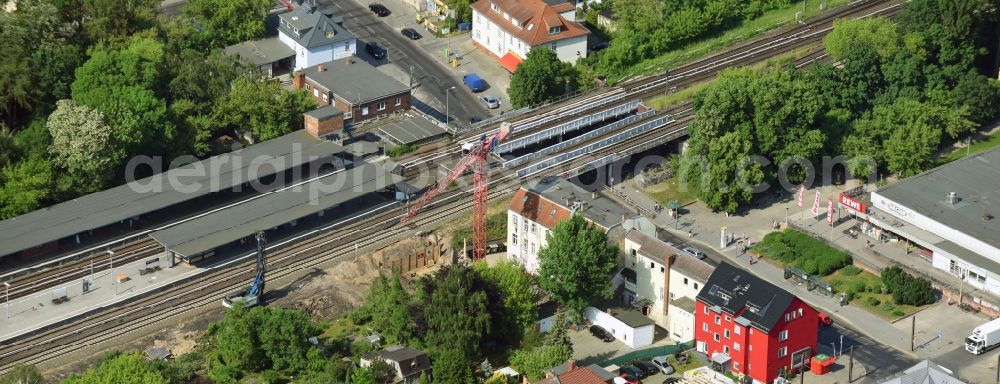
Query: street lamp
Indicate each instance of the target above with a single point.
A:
(111, 254)
(447, 105)
(7, 298)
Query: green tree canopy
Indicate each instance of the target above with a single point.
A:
(262, 338)
(388, 304)
(263, 108)
(22, 374)
(27, 186)
(455, 317)
(539, 78)
(877, 33)
(84, 145)
(520, 309)
(109, 20)
(576, 264)
(229, 22)
(128, 368)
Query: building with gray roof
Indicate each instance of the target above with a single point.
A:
(266, 54)
(355, 87)
(411, 130)
(314, 37)
(204, 234)
(953, 213)
(925, 372)
(125, 203)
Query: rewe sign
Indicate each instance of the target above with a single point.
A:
(851, 203)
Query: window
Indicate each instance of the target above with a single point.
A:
(399, 101)
(696, 286)
(525, 226)
(633, 253)
(716, 337)
(783, 335)
(380, 105)
(783, 351)
(736, 329)
(315, 92)
(347, 46)
(728, 319)
(651, 265)
(704, 327)
(364, 110)
(513, 219)
(532, 248)
(685, 281)
(555, 30)
(717, 320)
(736, 364)
(726, 333)
(736, 346)
(494, 7)
(725, 349)
(671, 295)
(513, 238)
(308, 87)
(661, 269)
(552, 46)
(534, 228)
(800, 312)
(706, 310)
(545, 233)
(326, 97)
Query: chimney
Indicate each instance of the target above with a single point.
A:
(952, 198)
(593, 195)
(321, 68)
(298, 80)
(570, 364)
(569, 200)
(583, 206)
(549, 375)
(669, 262)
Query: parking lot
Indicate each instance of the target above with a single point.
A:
(588, 349)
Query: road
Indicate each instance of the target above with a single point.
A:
(434, 78)
(873, 359)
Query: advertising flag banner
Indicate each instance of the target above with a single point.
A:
(802, 194)
(829, 211)
(815, 210)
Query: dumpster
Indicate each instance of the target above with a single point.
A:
(821, 364)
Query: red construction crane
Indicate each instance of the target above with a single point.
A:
(476, 158)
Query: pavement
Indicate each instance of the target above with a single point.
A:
(940, 329)
(432, 77)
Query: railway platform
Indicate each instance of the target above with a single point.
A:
(106, 288)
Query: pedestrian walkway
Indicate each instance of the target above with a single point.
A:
(698, 224)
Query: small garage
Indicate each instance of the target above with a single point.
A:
(627, 325)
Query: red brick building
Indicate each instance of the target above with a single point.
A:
(354, 87)
(751, 327)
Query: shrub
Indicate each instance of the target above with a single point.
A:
(888, 307)
(802, 251)
(898, 313)
(907, 289)
(401, 150)
(872, 301)
(850, 270)
(857, 286)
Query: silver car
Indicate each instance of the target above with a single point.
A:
(662, 363)
(694, 252)
(491, 102)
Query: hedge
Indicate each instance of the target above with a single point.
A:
(907, 289)
(802, 251)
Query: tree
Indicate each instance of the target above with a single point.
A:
(263, 108)
(535, 361)
(877, 33)
(363, 376)
(229, 22)
(455, 317)
(451, 366)
(576, 264)
(115, 19)
(262, 338)
(127, 368)
(559, 338)
(517, 288)
(980, 95)
(84, 145)
(388, 304)
(27, 186)
(539, 78)
(22, 374)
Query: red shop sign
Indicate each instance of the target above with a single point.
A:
(852, 203)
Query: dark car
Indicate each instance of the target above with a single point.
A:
(411, 33)
(671, 380)
(633, 370)
(601, 333)
(379, 9)
(377, 52)
(629, 378)
(646, 367)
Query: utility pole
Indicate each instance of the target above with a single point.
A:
(913, 333)
(841, 346)
(447, 105)
(411, 77)
(850, 367)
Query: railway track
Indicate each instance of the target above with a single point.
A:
(184, 297)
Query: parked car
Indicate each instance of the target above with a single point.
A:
(474, 82)
(377, 52)
(601, 333)
(411, 33)
(646, 367)
(491, 102)
(632, 370)
(671, 380)
(825, 319)
(663, 364)
(627, 379)
(379, 9)
(694, 252)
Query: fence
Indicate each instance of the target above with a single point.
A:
(413, 261)
(649, 353)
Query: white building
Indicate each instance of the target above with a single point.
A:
(628, 326)
(536, 209)
(314, 37)
(508, 29)
(951, 214)
(652, 264)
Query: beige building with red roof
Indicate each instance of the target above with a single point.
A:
(535, 210)
(508, 29)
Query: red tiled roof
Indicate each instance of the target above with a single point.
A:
(510, 62)
(538, 209)
(579, 375)
(534, 13)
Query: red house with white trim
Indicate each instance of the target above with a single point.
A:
(753, 328)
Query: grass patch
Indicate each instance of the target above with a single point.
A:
(671, 99)
(670, 189)
(747, 29)
(692, 363)
(496, 228)
(401, 150)
(795, 248)
(991, 141)
(339, 327)
(869, 295)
